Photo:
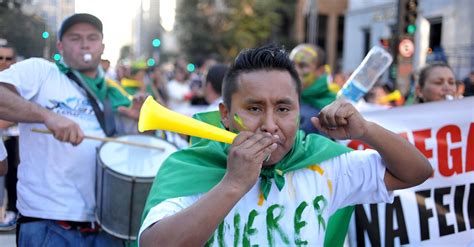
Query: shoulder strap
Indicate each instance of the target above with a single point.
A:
(105, 117)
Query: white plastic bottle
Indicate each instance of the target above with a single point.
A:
(365, 76)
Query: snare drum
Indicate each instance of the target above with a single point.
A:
(124, 177)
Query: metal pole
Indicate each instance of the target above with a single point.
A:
(312, 25)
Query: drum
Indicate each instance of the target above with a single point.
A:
(125, 174)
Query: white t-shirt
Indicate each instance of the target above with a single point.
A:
(310, 195)
(55, 179)
(176, 92)
(214, 106)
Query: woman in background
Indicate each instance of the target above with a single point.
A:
(436, 82)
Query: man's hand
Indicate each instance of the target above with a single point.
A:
(246, 157)
(3, 167)
(194, 225)
(64, 129)
(134, 110)
(5, 124)
(340, 120)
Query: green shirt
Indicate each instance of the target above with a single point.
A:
(318, 94)
(100, 88)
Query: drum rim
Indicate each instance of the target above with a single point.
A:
(102, 163)
(113, 233)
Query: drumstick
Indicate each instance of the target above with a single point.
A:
(106, 139)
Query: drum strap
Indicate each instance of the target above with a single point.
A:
(106, 117)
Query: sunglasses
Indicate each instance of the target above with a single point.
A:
(6, 58)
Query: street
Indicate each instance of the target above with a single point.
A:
(7, 239)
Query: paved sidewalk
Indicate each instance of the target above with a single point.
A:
(7, 239)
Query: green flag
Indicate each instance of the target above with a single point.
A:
(318, 94)
(200, 167)
(100, 88)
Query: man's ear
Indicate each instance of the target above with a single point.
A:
(320, 71)
(224, 115)
(207, 88)
(418, 91)
(59, 46)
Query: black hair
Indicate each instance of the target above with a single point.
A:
(10, 47)
(425, 71)
(268, 57)
(215, 76)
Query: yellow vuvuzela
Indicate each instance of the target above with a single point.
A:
(155, 116)
(393, 96)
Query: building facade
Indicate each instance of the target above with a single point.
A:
(146, 28)
(450, 34)
(321, 22)
(53, 12)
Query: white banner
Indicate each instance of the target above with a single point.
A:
(439, 212)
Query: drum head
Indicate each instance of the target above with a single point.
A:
(135, 161)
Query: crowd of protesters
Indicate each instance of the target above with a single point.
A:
(125, 85)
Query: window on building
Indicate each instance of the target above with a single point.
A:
(322, 31)
(366, 34)
(340, 40)
(436, 51)
(436, 27)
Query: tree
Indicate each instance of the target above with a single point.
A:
(125, 52)
(192, 28)
(24, 32)
(11, 4)
(205, 28)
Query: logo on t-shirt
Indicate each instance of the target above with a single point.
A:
(75, 108)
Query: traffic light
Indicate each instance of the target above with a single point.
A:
(57, 57)
(151, 62)
(45, 35)
(156, 43)
(411, 13)
(191, 67)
